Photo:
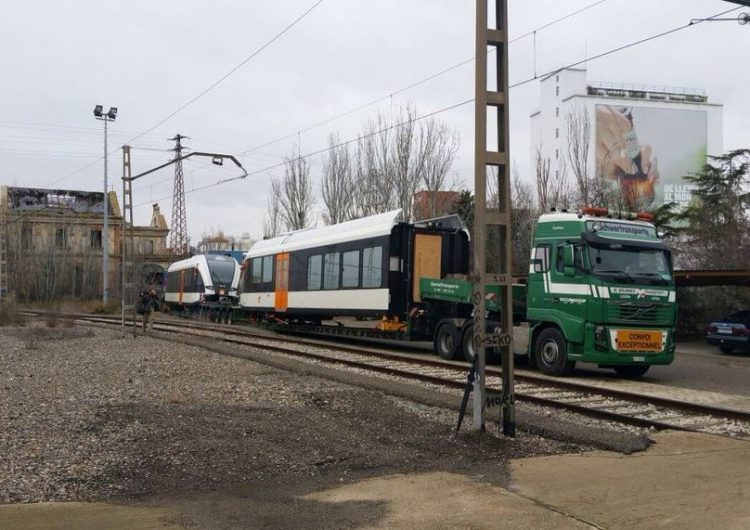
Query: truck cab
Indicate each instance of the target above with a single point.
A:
(600, 290)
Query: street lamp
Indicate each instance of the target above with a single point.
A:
(109, 116)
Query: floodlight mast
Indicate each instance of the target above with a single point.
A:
(109, 116)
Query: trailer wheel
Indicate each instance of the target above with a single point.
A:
(447, 341)
(467, 343)
(636, 370)
(551, 353)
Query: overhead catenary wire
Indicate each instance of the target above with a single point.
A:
(623, 47)
(390, 95)
(207, 89)
(414, 84)
(232, 71)
(471, 100)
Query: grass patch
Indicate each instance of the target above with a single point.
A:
(110, 308)
(10, 316)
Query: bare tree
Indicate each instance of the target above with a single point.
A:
(272, 219)
(438, 145)
(523, 219)
(373, 170)
(578, 128)
(295, 192)
(337, 183)
(410, 149)
(543, 186)
(393, 157)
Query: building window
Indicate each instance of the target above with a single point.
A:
(557, 90)
(331, 270)
(557, 174)
(26, 236)
(557, 133)
(557, 78)
(557, 154)
(557, 112)
(350, 273)
(148, 247)
(95, 239)
(61, 238)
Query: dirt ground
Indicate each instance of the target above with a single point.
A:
(104, 432)
(211, 441)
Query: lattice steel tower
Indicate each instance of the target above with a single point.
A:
(178, 236)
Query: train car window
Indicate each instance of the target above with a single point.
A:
(314, 272)
(350, 269)
(372, 267)
(255, 270)
(267, 269)
(199, 287)
(331, 270)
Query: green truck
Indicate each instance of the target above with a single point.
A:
(599, 290)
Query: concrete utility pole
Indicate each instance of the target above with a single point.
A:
(178, 237)
(494, 220)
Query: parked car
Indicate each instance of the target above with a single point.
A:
(731, 333)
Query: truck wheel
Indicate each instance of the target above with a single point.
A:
(467, 343)
(446, 341)
(725, 349)
(551, 354)
(636, 370)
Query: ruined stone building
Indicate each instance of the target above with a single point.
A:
(55, 242)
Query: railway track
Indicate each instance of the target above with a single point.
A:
(626, 407)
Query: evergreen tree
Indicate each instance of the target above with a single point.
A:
(715, 226)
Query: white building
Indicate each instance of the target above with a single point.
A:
(643, 139)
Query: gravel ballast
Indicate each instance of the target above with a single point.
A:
(88, 415)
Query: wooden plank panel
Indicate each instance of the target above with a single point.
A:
(427, 260)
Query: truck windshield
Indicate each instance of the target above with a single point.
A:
(631, 265)
(222, 271)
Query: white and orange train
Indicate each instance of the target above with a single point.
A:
(368, 267)
(204, 284)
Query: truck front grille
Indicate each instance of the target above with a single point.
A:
(630, 313)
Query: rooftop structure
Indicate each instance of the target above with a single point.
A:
(638, 141)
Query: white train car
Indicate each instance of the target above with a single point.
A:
(202, 279)
(368, 267)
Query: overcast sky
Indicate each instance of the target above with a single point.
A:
(149, 58)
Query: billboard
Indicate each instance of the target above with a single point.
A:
(643, 153)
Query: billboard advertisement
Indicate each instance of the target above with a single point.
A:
(643, 153)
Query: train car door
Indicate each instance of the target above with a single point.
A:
(428, 250)
(282, 282)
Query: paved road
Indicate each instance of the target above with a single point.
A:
(699, 366)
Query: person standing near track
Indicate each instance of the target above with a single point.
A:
(150, 304)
